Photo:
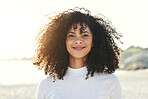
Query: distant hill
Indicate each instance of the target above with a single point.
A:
(26, 58)
(134, 58)
(19, 59)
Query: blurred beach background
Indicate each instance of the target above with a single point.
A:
(20, 20)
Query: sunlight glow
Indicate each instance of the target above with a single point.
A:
(20, 20)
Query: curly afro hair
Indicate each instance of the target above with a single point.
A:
(51, 52)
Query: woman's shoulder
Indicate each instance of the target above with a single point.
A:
(114, 78)
(44, 88)
(108, 76)
(45, 83)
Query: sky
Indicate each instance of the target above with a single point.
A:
(20, 20)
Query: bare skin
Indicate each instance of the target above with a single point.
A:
(78, 44)
(77, 63)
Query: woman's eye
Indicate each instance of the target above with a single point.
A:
(71, 36)
(85, 35)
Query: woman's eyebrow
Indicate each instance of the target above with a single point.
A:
(84, 32)
(71, 32)
(80, 33)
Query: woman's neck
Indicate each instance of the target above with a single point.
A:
(77, 62)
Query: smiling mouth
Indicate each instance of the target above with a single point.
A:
(78, 48)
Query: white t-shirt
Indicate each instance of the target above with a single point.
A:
(74, 86)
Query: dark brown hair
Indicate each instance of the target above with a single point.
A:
(51, 52)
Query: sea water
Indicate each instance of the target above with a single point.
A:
(15, 72)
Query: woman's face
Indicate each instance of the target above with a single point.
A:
(79, 41)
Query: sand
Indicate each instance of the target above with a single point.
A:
(134, 86)
(18, 92)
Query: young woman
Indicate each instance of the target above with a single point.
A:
(78, 52)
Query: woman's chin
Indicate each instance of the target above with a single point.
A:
(78, 56)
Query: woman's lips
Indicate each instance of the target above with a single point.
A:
(78, 48)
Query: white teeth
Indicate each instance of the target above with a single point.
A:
(78, 48)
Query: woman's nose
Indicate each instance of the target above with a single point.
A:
(78, 42)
